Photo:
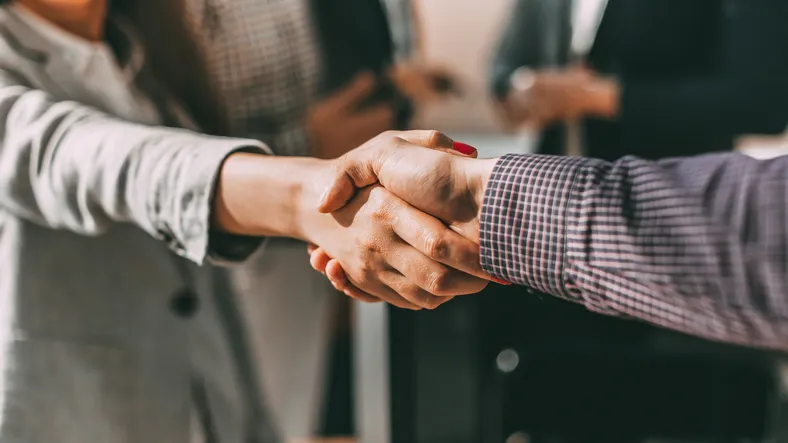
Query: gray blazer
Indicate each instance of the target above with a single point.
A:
(110, 332)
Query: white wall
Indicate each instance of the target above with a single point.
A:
(460, 34)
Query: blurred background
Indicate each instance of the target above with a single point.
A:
(462, 36)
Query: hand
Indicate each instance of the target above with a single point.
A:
(538, 98)
(423, 84)
(389, 249)
(337, 125)
(447, 186)
(389, 252)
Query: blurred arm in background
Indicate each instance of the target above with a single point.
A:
(663, 95)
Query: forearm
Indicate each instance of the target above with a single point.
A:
(67, 166)
(696, 245)
(262, 195)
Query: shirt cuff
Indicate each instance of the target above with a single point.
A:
(523, 226)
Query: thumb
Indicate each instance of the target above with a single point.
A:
(359, 168)
(338, 193)
(440, 142)
(354, 92)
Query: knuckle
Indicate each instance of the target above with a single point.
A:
(379, 214)
(413, 294)
(368, 245)
(438, 139)
(363, 276)
(381, 206)
(439, 282)
(436, 246)
(431, 302)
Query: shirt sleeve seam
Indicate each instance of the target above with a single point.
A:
(564, 248)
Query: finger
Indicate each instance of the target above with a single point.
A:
(438, 141)
(336, 275)
(310, 248)
(319, 260)
(357, 294)
(340, 191)
(357, 170)
(386, 294)
(427, 139)
(342, 282)
(351, 95)
(431, 277)
(360, 168)
(439, 243)
(408, 290)
(403, 285)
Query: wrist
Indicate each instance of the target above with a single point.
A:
(604, 96)
(260, 195)
(477, 173)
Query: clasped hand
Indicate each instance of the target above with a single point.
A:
(406, 206)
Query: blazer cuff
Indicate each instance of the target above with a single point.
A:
(186, 225)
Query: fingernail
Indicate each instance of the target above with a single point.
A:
(462, 148)
(500, 282)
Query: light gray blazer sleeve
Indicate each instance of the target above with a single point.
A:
(67, 166)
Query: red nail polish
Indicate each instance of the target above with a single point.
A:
(462, 148)
(500, 282)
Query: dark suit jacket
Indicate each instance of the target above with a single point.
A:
(355, 36)
(695, 74)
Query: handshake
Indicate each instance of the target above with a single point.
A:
(395, 220)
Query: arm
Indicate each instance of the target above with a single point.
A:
(518, 46)
(696, 245)
(67, 166)
(745, 93)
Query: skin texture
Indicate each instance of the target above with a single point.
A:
(450, 187)
(389, 248)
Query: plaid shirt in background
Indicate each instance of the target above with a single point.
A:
(698, 245)
(263, 61)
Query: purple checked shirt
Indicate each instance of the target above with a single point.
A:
(698, 245)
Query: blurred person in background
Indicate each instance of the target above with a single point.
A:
(106, 335)
(651, 78)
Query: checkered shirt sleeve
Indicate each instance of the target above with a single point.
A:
(698, 245)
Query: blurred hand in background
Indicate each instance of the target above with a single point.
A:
(341, 122)
(540, 97)
(422, 83)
